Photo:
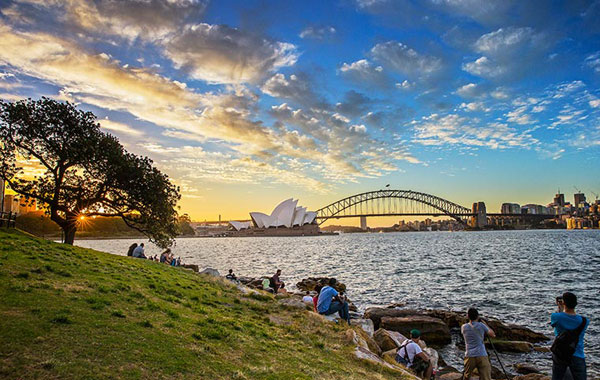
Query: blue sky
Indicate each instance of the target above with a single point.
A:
(247, 103)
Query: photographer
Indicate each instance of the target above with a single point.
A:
(330, 301)
(569, 328)
(476, 356)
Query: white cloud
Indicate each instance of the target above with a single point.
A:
(593, 61)
(500, 94)
(405, 60)
(318, 33)
(474, 106)
(470, 90)
(220, 54)
(519, 116)
(594, 103)
(363, 71)
(484, 67)
(405, 85)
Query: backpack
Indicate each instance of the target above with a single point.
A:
(403, 359)
(565, 344)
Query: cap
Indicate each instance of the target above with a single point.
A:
(415, 333)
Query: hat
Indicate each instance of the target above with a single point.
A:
(415, 333)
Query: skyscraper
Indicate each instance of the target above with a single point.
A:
(559, 199)
(579, 199)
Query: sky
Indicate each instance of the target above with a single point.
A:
(247, 103)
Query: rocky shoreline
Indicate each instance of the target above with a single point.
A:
(385, 328)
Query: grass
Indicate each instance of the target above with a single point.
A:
(74, 313)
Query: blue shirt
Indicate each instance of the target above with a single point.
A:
(564, 321)
(325, 298)
(474, 335)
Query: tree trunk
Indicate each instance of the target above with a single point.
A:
(69, 232)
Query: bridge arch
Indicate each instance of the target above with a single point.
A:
(405, 202)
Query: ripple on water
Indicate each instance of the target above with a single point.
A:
(513, 275)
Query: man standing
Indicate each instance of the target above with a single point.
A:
(412, 356)
(330, 302)
(565, 320)
(139, 251)
(475, 354)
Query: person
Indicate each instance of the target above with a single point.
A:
(307, 298)
(178, 261)
(265, 285)
(330, 302)
(412, 356)
(231, 276)
(564, 320)
(316, 298)
(139, 251)
(131, 248)
(275, 283)
(164, 255)
(476, 356)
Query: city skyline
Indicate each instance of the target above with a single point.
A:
(244, 105)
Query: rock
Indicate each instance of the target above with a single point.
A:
(541, 348)
(356, 315)
(433, 330)
(388, 340)
(511, 346)
(211, 272)
(451, 376)
(433, 355)
(515, 332)
(365, 324)
(193, 267)
(376, 313)
(245, 280)
(294, 302)
(497, 373)
(364, 354)
(311, 282)
(526, 368)
(363, 340)
(389, 355)
(532, 376)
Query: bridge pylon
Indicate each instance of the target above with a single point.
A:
(363, 223)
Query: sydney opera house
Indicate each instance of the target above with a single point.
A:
(287, 219)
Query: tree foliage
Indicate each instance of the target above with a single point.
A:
(85, 172)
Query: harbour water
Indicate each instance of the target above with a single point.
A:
(512, 275)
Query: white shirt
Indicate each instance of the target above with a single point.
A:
(412, 349)
(138, 251)
(307, 299)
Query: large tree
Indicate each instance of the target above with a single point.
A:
(85, 172)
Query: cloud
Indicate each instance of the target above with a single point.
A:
(471, 90)
(405, 85)
(114, 126)
(593, 61)
(220, 54)
(354, 104)
(519, 116)
(296, 87)
(318, 33)
(594, 103)
(474, 106)
(146, 19)
(405, 60)
(508, 53)
(452, 129)
(364, 72)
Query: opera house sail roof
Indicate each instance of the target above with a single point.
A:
(286, 214)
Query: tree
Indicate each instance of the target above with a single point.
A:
(185, 227)
(84, 171)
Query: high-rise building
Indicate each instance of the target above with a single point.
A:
(579, 199)
(510, 208)
(559, 199)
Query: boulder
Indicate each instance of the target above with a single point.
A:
(311, 282)
(532, 376)
(433, 356)
(365, 324)
(511, 346)
(363, 340)
(541, 348)
(364, 354)
(389, 355)
(245, 280)
(515, 332)
(433, 330)
(526, 368)
(376, 313)
(388, 340)
(211, 272)
(294, 302)
(193, 267)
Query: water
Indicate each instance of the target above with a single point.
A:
(513, 275)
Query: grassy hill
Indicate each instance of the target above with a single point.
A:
(74, 313)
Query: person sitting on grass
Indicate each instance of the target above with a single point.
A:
(165, 255)
(138, 252)
(412, 356)
(131, 248)
(330, 302)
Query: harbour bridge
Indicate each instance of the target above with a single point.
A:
(411, 203)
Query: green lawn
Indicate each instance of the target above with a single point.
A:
(74, 313)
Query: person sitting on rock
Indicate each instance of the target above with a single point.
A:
(231, 276)
(412, 356)
(330, 302)
(316, 298)
(275, 283)
(476, 356)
